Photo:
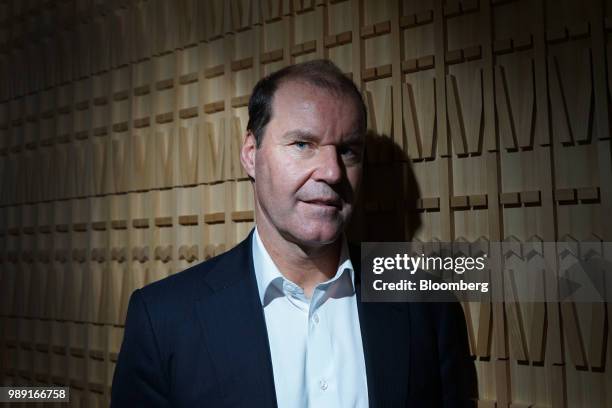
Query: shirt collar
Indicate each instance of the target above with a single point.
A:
(267, 273)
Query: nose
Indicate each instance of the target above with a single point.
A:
(329, 166)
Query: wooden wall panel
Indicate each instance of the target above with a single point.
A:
(120, 126)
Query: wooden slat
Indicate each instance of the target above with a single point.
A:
(188, 219)
(214, 218)
(240, 216)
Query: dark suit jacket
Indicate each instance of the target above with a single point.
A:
(198, 339)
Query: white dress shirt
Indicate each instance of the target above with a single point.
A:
(316, 348)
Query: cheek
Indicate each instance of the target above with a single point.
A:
(274, 181)
(286, 174)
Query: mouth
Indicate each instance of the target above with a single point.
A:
(324, 203)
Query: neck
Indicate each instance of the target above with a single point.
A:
(306, 266)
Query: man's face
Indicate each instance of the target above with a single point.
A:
(308, 167)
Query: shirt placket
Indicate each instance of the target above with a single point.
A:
(320, 372)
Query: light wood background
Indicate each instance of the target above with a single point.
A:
(120, 123)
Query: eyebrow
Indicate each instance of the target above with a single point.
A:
(299, 134)
(351, 138)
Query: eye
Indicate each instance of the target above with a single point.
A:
(300, 145)
(346, 151)
(350, 152)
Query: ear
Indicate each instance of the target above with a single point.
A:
(247, 154)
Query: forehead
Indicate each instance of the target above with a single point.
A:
(302, 106)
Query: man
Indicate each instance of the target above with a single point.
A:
(277, 320)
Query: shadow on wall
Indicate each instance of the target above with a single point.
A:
(387, 206)
(387, 211)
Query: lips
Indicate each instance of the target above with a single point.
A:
(325, 202)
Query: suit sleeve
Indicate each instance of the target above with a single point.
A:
(457, 370)
(139, 380)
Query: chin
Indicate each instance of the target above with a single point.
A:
(319, 235)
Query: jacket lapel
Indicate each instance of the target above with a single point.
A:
(385, 333)
(234, 327)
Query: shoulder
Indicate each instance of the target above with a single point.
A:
(443, 318)
(191, 284)
(168, 306)
(184, 282)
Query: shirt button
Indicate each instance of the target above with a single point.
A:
(315, 318)
(323, 385)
